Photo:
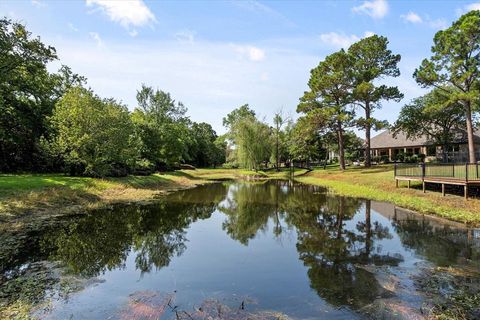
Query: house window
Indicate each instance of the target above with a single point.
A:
(453, 148)
(431, 151)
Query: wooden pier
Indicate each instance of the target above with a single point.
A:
(464, 174)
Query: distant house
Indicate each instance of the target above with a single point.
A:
(385, 145)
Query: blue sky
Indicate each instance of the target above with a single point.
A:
(217, 55)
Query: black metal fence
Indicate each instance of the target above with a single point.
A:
(457, 171)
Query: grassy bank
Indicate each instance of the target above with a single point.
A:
(47, 194)
(377, 183)
(27, 195)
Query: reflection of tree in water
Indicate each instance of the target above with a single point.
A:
(249, 206)
(332, 252)
(439, 243)
(102, 240)
(209, 194)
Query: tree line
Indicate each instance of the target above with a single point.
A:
(53, 122)
(346, 88)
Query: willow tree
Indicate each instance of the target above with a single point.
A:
(455, 68)
(253, 142)
(371, 62)
(329, 97)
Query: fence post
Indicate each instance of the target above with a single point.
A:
(423, 171)
(395, 169)
(477, 169)
(453, 170)
(466, 172)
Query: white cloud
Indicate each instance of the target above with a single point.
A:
(262, 9)
(250, 52)
(414, 18)
(128, 13)
(96, 37)
(376, 9)
(185, 36)
(38, 4)
(411, 17)
(72, 27)
(340, 40)
(473, 6)
(208, 77)
(438, 24)
(467, 8)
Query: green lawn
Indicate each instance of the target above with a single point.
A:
(27, 192)
(377, 183)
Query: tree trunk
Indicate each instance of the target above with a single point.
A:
(341, 151)
(326, 159)
(368, 161)
(368, 228)
(445, 152)
(276, 154)
(471, 144)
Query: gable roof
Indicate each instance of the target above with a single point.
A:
(386, 140)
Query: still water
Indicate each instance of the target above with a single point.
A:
(270, 250)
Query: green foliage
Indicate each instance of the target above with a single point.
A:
(371, 62)
(236, 115)
(93, 136)
(25, 95)
(455, 67)
(329, 97)
(161, 125)
(433, 115)
(231, 122)
(304, 141)
(252, 142)
(207, 148)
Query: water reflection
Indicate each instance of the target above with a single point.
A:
(334, 238)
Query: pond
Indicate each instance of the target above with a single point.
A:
(232, 250)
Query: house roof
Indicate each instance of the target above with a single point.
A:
(386, 140)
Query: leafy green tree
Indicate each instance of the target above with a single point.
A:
(329, 97)
(252, 142)
(279, 120)
(454, 67)
(25, 95)
(163, 128)
(236, 115)
(433, 115)
(93, 136)
(305, 142)
(220, 151)
(205, 151)
(371, 62)
(230, 123)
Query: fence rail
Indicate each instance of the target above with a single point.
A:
(452, 171)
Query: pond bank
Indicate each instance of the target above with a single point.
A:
(377, 183)
(45, 195)
(38, 197)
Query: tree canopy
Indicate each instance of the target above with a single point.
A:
(454, 67)
(371, 61)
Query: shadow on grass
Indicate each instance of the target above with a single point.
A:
(473, 191)
(372, 170)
